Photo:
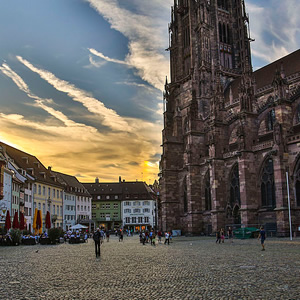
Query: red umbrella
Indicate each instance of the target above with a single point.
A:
(7, 221)
(16, 221)
(22, 221)
(38, 221)
(48, 221)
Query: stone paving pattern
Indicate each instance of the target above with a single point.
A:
(189, 268)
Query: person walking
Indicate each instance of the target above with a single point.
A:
(107, 235)
(159, 236)
(262, 237)
(167, 238)
(222, 234)
(218, 235)
(97, 240)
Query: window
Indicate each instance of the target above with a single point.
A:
(297, 184)
(267, 185)
(34, 188)
(39, 189)
(235, 187)
(53, 209)
(81, 207)
(49, 192)
(185, 202)
(57, 193)
(146, 219)
(43, 208)
(102, 215)
(93, 215)
(94, 206)
(146, 210)
(133, 219)
(116, 205)
(127, 210)
(136, 210)
(107, 197)
(53, 193)
(107, 205)
(44, 191)
(116, 197)
(115, 215)
(127, 203)
(57, 210)
(127, 220)
(146, 203)
(207, 192)
(137, 203)
(107, 215)
(140, 219)
(98, 197)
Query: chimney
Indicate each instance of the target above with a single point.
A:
(97, 180)
(120, 179)
(49, 168)
(123, 180)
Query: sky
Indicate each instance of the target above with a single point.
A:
(81, 81)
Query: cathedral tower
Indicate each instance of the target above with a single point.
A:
(209, 48)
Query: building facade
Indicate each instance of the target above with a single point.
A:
(122, 204)
(231, 135)
(76, 199)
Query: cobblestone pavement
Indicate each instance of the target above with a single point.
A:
(188, 268)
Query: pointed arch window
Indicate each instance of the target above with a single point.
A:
(297, 184)
(185, 201)
(267, 185)
(235, 187)
(207, 192)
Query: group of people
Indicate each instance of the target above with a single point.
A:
(150, 236)
(221, 235)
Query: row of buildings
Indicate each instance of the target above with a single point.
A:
(26, 184)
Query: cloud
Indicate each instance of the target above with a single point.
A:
(109, 117)
(101, 55)
(61, 143)
(146, 34)
(276, 31)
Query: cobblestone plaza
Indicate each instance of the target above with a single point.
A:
(188, 268)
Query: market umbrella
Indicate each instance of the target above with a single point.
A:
(34, 221)
(22, 221)
(39, 222)
(7, 221)
(48, 221)
(16, 224)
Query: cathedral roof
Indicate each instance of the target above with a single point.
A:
(265, 75)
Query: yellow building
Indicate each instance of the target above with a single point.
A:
(47, 193)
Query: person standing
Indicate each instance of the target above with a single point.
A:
(97, 240)
(230, 234)
(262, 237)
(218, 235)
(107, 235)
(222, 234)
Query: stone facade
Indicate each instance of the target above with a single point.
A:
(230, 134)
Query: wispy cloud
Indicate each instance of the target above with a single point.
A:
(109, 117)
(276, 31)
(101, 55)
(146, 34)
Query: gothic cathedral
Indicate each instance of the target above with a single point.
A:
(231, 136)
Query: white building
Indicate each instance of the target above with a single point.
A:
(138, 215)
